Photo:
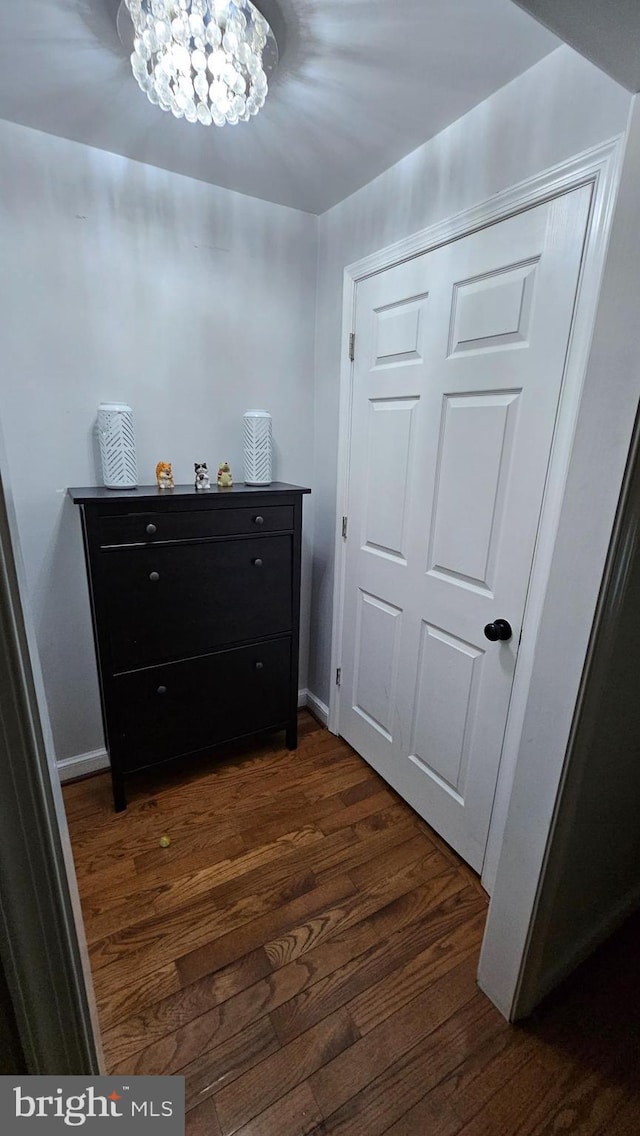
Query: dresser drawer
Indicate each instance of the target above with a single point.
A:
(193, 524)
(173, 601)
(162, 712)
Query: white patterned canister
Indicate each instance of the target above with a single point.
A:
(257, 447)
(117, 445)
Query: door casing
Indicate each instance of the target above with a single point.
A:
(599, 168)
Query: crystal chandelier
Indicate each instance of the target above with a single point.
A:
(204, 60)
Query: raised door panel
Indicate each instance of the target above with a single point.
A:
(399, 331)
(476, 442)
(445, 707)
(390, 437)
(378, 625)
(494, 310)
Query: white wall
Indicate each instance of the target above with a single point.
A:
(592, 879)
(122, 281)
(527, 944)
(559, 108)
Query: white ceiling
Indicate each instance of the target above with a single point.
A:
(360, 84)
(606, 31)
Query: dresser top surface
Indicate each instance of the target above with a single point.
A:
(98, 493)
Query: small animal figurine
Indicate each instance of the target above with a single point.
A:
(202, 475)
(164, 475)
(225, 480)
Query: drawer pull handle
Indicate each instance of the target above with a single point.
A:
(162, 690)
(151, 529)
(259, 666)
(258, 562)
(154, 577)
(258, 520)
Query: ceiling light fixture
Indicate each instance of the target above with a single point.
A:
(203, 60)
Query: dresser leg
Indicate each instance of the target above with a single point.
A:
(119, 795)
(292, 735)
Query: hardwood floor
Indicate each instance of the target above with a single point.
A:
(304, 953)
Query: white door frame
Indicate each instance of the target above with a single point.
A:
(42, 941)
(600, 168)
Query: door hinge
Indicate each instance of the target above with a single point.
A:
(352, 346)
(345, 522)
(338, 676)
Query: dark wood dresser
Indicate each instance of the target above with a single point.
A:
(195, 598)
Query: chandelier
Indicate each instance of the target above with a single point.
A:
(203, 60)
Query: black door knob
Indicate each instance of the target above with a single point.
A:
(499, 629)
(258, 562)
(259, 666)
(162, 690)
(258, 520)
(154, 577)
(151, 529)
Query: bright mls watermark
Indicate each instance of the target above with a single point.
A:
(136, 1105)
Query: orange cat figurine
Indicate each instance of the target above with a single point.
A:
(164, 475)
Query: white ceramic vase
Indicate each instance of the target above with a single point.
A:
(117, 445)
(258, 447)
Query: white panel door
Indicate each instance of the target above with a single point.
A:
(460, 355)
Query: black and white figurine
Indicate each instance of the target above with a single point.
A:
(202, 475)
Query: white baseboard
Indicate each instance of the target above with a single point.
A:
(71, 767)
(83, 763)
(317, 707)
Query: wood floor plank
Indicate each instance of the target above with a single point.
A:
(390, 817)
(172, 1014)
(112, 842)
(299, 939)
(254, 1092)
(204, 847)
(224, 949)
(343, 781)
(305, 951)
(305, 851)
(151, 941)
(225, 882)
(347, 1074)
(583, 1107)
(295, 1114)
(105, 881)
(428, 949)
(462, 945)
(303, 946)
(218, 1027)
(485, 1072)
(350, 814)
(359, 790)
(211, 1067)
(203, 1120)
(390, 1093)
(363, 848)
(170, 886)
(207, 849)
(119, 996)
(472, 877)
(431, 1116)
(509, 1111)
(386, 940)
(625, 1121)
